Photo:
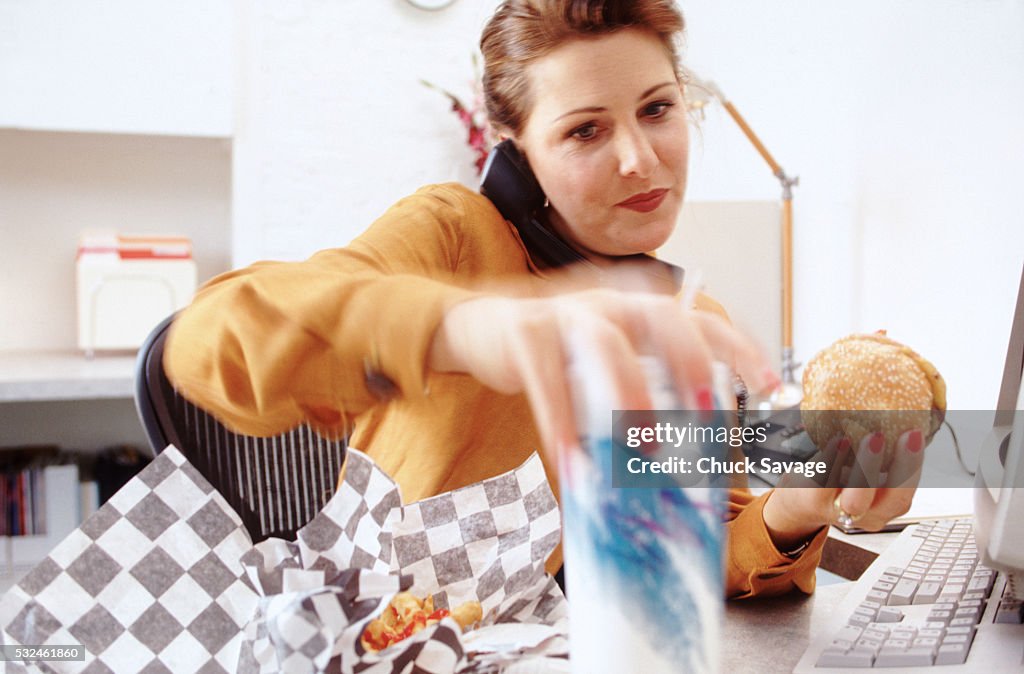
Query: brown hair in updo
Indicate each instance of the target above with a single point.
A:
(522, 31)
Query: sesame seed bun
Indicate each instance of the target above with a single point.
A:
(871, 372)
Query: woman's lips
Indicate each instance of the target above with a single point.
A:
(644, 203)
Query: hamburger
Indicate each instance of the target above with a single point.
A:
(866, 383)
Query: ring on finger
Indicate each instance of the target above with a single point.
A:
(841, 517)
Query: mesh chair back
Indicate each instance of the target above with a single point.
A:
(276, 485)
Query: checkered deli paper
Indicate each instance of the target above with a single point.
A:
(164, 578)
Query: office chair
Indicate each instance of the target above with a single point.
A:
(276, 485)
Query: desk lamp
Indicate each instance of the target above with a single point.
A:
(699, 94)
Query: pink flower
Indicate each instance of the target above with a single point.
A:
(479, 136)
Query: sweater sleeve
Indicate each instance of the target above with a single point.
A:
(276, 344)
(754, 566)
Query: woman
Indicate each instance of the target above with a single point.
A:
(438, 338)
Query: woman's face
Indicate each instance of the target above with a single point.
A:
(607, 140)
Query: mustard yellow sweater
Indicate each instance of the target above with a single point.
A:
(341, 341)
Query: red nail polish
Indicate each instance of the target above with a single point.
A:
(843, 446)
(705, 401)
(915, 441)
(877, 443)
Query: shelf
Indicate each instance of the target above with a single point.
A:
(65, 375)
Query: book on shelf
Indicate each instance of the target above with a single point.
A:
(46, 493)
(41, 503)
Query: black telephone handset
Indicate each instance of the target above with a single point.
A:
(511, 186)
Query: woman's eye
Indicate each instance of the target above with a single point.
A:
(585, 132)
(657, 109)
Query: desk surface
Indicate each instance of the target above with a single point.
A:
(848, 555)
(774, 632)
(771, 635)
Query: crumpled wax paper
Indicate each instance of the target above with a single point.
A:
(165, 578)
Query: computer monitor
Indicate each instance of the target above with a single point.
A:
(999, 481)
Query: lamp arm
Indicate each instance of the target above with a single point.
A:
(752, 137)
(789, 367)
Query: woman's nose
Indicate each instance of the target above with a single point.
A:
(637, 157)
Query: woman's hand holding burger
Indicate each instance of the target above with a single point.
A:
(871, 404)
(795, 511)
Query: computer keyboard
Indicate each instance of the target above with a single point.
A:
(926, 601)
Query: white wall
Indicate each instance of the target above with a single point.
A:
(332, 124)
(903, 120)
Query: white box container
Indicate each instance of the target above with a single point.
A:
(128, 284)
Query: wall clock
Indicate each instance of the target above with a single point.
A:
(430, 4)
